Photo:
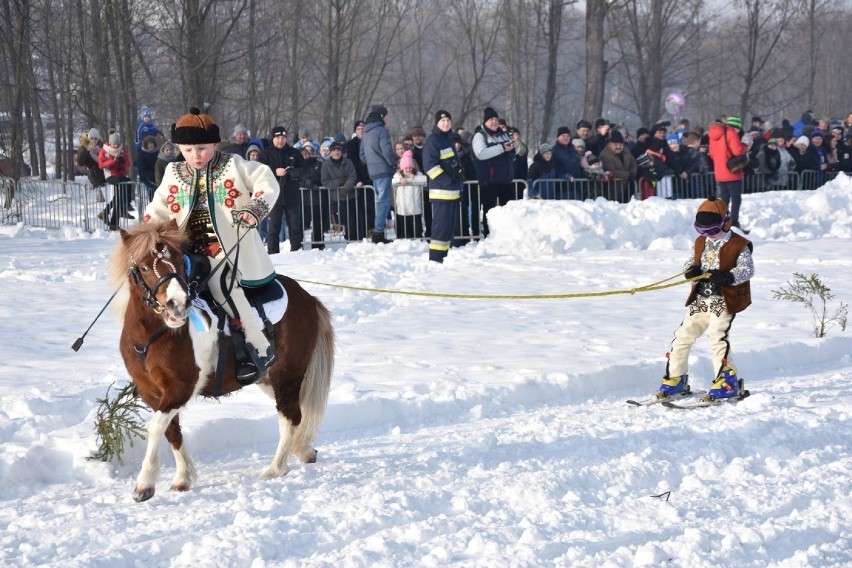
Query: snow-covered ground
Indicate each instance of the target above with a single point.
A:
(460, 432)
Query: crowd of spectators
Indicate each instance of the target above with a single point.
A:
(340, 183)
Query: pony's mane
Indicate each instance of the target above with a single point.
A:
(137, 242)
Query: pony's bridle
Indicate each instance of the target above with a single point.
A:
(150, 297)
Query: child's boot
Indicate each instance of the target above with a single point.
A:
(674, 385)
(726, 385)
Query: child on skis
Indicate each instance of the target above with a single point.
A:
(713, 301)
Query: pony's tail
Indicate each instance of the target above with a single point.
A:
(317, 381)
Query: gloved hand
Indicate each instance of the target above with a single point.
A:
(721, 277)
(693, 272)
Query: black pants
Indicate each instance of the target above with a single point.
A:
(288, 206)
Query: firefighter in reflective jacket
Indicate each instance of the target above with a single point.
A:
(444, 170)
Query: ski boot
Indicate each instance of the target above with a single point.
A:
(672, 386)
(726, 385)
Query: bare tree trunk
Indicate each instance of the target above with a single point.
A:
(554, 28)
(595, 63)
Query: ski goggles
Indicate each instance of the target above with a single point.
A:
(711, 230)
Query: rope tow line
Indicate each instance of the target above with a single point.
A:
(660, 285)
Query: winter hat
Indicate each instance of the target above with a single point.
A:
(803, 140)
(252, 148)
(757, 119)
(772, 142)
(713, 212)
(735, 122)
(544, 148)
(94, 134)
(335, 146)
(379, 110)
(417, 131)
(442, 114)
(357, 124)
(616, 137)
(407, 160)
(562, 130)
(673, 138)
(239, 129)
(195, 128)
(642, 130)
(115, 138)
(277, 131)
(583, 123)
(817, 133)
(489, 114)
(578, 142)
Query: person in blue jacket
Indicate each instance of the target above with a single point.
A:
(445, 179)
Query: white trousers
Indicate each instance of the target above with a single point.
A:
(704, 315)
(254, 334)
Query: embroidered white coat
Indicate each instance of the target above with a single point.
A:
(233, 185)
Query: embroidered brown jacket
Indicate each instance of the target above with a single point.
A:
(738, 297)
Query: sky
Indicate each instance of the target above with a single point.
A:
(459, 432)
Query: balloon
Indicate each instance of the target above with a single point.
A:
(674, 103)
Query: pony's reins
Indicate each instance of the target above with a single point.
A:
(137, 277)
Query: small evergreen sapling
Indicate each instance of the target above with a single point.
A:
(810, 291)
(118, 420)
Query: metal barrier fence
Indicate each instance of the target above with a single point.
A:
(329, 217)
(52, 204)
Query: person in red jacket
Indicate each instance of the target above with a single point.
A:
(115, 163)
(726, 143)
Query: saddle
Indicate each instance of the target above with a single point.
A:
(268, 301)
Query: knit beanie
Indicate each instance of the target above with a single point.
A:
(562, 130)
(115, 138)
(239, 129)
(407, 160)
(803, 140)
(195, 128)
(488, 114)
(380, 110)
(711, 212)
(616, 137)
(442, 114)
(94, 134)
(735, 122)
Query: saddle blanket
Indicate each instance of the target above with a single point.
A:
(274, 311)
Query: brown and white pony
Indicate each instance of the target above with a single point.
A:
(170, 362)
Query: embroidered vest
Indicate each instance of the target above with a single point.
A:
(737, 298)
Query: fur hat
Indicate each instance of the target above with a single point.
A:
(407, 160)
(489, 113)
(713, 211)
(442, 114)
(616, 137)
(735, 122)
(94, 134)
(195, 128)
